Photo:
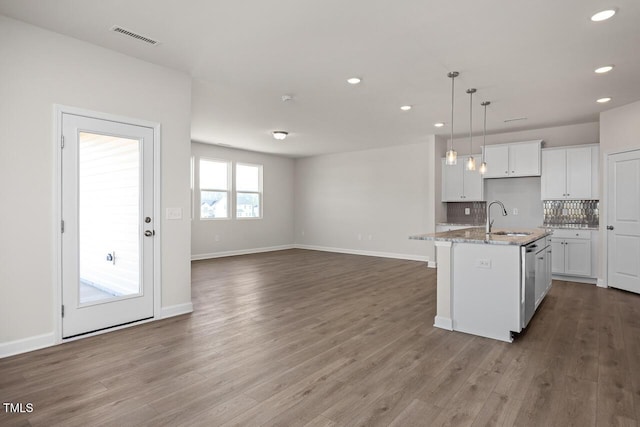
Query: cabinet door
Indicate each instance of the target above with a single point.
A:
(452, 181)
(524, 159)
(595, 172)
(472, 185)
(577, 257)
(553, 182)
(557, 256)
(497, 158)
(579, 173)
(547, 268)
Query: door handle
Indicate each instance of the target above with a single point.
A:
(149, 233)
(609, 227)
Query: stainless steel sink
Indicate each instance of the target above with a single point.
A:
(512, 233)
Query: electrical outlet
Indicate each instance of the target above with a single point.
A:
(216, 238)
(370, 236)
(467, 211)
(483, 263)
(359, 236)
(515, 211)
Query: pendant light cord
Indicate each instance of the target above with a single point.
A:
(453, 78)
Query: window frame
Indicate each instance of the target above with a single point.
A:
(228, 190)
(236, 192)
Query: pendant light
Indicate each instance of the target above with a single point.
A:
(471, 162)
(483, 166)
(451, 157)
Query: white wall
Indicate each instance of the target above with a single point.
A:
(212, 238)
(619, 131)
(368, 201)
(37, 69)
(557, 136)
(521, 193)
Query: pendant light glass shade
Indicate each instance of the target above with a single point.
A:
(471, 162)
(483, 168)
(451, 158)
(483, 165)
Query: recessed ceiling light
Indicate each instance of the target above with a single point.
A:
(405, 107)
(439, 124)
(603, 15)
(354, 80)
(280, 134)
(603, 100)
(605, 69)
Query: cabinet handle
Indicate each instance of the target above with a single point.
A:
(609, 227)
(541, 257)
(513, 171)
(506, 172)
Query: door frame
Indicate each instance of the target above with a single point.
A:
(603, 280)
(58, 111)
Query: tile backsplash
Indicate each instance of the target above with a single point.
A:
(477, 213)
(572, 213)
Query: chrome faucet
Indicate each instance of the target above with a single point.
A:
(487, 228)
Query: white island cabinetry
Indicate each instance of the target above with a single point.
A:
(482, 287)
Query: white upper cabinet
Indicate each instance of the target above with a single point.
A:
(459, 184)
(513, 160)
(570, 173)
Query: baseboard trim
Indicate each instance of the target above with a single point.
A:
(407, 257)
(601, 284)
(577, 279)
(443, 323)
(25, 345)
(432, 264)
(223, 254)
(176, 310)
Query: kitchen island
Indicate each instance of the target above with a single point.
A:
(490, 285)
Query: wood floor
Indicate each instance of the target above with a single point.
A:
(306, 338)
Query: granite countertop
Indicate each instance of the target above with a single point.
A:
(459, 224)
(477, 235)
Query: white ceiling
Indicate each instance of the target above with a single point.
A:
(531, 59)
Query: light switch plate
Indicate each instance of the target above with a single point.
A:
(174, 213)
(467, 211)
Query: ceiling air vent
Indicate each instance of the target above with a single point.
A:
(133, 35)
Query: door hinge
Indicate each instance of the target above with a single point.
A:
(63, 310)
(61, 141)
(62, 226)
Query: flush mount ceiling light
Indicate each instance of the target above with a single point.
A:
(603, 100)
(280, 134)
(354, 80)
(605, 69)
(451, 158)
(439, 124)
(405, 107)
(471, 162)
(603, 15)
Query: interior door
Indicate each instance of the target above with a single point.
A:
(623, 208)
(107, 228)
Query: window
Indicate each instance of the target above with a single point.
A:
(248, 191)
(214, 189)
